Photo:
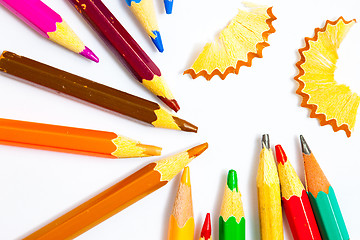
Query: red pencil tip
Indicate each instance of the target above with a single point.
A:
(206, 229)
(280, 154)
(172, 103)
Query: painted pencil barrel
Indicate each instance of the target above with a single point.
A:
(185, 232)
(92, 92)
(301, 217)
(231, 229)
(328, 216)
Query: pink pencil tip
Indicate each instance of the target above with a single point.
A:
(89, 55)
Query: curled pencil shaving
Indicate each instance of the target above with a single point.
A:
(331, 103)
(241, 41)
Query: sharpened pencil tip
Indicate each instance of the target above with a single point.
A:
(280, 154)
(206, 229)
(157, 41)
(232, 181)
(196, 151)
(89, 55)
(168, 6)
(265, 141)
(150, 150)
(172, 103)
(305, 148)
(185, 177)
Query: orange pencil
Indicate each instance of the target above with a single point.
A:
(116, 198)
(182, 224)
(72, 140)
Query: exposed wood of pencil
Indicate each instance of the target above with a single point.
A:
(118, 197)
(295, 200)
(125, 48)
(92, 92)
(72, 140)
(182, 224)
(322, 198)
(269, 196)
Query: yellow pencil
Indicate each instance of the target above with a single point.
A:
(145, 13)
(182, 224)
(269, 197)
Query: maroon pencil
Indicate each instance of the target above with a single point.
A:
(125, 48)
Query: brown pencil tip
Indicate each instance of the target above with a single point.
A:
(196, 151)
(172, 103)
(150, 149)
(304, 147)
(185, 125)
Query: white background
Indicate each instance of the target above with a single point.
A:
(38, 186)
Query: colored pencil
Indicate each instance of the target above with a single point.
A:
(92, 92)
(322, 198)
(206, 229)
(232, 218)
(168, 6)
(72, 140)
(295, 200)
(48, 24)
(144, 11)
(125, 48)
(269, 197)
(118, 197)
(181, 223)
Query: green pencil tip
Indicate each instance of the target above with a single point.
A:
(232, 180)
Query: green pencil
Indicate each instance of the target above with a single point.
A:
(232, 219)
(322, 198)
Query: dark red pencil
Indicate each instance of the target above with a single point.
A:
(125, 48)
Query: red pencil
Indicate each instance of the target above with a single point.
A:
(206, 229)
(295, 200)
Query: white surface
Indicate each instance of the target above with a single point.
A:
(39, 186)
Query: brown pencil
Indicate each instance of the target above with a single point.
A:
(92, 92)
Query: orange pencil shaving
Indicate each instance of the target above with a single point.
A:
(118, 197)
(182, 224)
(72, 140)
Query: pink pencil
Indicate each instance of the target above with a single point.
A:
(49, 24)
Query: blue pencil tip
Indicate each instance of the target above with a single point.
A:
(168, 6)
(157, 41)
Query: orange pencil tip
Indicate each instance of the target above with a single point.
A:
(196, 151)
(280, 154)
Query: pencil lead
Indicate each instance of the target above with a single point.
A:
(157, 41)
(89, 54)
(206, 229)
(168, 6)
(196, 151)
(172, 103)
(232, 181)
(280, 154)
(185, 177)
(265, 141)
(305, 148)
(150, 149)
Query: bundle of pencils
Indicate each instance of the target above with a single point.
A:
(118, 197)
(232, 218)
(125, 48)
(181, 223)
(48, 24)
(72, 140)
(322, 198)
(269, 198)
(296, 202)
(92, 92)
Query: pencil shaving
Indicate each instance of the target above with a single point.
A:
(241, 41)
(331, 103)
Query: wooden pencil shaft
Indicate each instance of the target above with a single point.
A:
(102, 206)
(78, 87)
(117, 38)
